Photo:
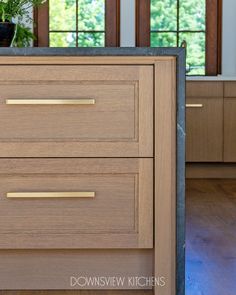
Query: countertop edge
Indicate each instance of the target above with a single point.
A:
(91, 51)
(219, 78)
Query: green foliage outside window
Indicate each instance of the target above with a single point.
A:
(82, 23)
(175, 21)
(77, 23)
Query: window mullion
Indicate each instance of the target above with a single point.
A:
(77, 23)
(177, 39)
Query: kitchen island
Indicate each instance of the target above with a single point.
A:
(92, 174)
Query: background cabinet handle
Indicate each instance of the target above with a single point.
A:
(40, 195)
(82, 101)
(194, 105)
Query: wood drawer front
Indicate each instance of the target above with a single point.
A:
(119, 216)
(118, 124)
(53, 269)
(204, 89)
(204, 133)
(230, 130)
(230, 89)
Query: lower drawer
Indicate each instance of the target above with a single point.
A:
(76, 203)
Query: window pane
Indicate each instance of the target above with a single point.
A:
(192, 15)
(163, 39)
(62, 40)
(195, 52)
(91, 15)
(164, 15)
(62, 15)
(91, 39)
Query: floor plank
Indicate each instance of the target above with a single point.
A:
(76, 292)
(211, 237)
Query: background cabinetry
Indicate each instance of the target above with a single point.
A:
(211, 121)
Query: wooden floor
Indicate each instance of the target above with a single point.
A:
(211, 237)
(76, 292)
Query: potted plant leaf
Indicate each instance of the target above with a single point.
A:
(15, 20)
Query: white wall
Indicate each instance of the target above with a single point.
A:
(127, 24)
(229, 38)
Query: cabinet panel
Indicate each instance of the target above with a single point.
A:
(76, 203)
(230, 130)
(204, 122)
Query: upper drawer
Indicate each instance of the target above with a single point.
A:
(76, 111)
(204, 89)
(230, 89)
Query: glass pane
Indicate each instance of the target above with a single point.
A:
(62, 15)
(192, 15)
(62, 40)
(163, 39)
(91, 15)
(196, 59)
(164, 15)
(91, 40)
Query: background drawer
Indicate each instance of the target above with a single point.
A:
(229, 130)
(204, 134)
(204, 89)
(119, 122)
(230, 89)
(118, 216)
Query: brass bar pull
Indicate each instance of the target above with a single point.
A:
(194, 105)
(82, 101)
(40, 195)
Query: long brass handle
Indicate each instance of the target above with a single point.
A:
(25, 195)
(194, 105)
(81, 101)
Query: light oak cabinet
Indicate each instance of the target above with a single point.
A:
(204, 122)
(88, 170)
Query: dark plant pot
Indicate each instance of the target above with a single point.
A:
(7, 31)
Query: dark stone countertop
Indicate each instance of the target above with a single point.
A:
(112, 51)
